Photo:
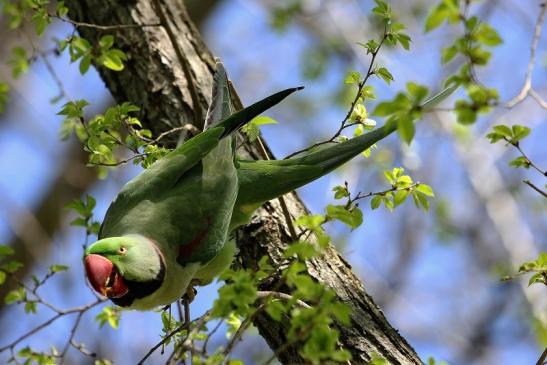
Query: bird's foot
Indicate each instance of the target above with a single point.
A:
(190, 294)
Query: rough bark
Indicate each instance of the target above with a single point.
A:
(154, 79)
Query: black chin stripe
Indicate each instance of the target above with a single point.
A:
(140, 289)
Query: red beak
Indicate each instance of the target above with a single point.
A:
(104, 277)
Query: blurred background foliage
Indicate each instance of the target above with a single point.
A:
(436, 275)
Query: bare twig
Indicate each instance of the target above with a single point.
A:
(60, 313)
(209, 335)
(542, 103)
(532, 164)
(527, 87)
(281, 296)
(71, 336)
(187, 127)
(121, 162)
(542, 358)
(530, 184)
(101, 27)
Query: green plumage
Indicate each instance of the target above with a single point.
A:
(186, 204)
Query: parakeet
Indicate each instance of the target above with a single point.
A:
(168, 227)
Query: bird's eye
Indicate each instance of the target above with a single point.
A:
(123, 250)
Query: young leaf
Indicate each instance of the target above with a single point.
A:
(384, 74)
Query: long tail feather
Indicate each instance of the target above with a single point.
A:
(261, 181)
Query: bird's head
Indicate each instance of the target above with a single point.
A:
(124, 268)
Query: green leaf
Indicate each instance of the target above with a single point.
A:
(418, 92)
(276, 309)
(359, 113)
(11, 266)
(487, 35)
(389, 177)
(400, 196)
(368, 92)
(310, 221)
(57, 268)
(4, 96)
(340, 192)
(303, 249)
(378, 360)
(352, 217)
(448, 54)
(41, 19)
(61, 9)
(376, 201)
(371, 46)
(16, 295)
(109, 315)
(252, 129)
(436, 17)
(503, 130)
(106, 42)
(406, 129)
(383, 10)
(352, 77)
(520, 162)
(383, 109)
(30, 307)
(19, 62)
(425, 189)
(420, 200)
(538, 278)
(84, 64)
(263, 120)
(6, 250)
(384, 74)
(113, 59)
(403, 181)
(519, 132)
(2, 277)
(404, 40)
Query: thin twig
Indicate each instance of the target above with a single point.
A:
(187, 127)
(71, 336)
(542, 103)
(360, 87)
(542, 358)
(41, 326)
(282, 296)
(209, 335)
(121, 162)
(199, 323)
(80, 347)
(532, 164)
(530, 184)
(527, 87)
(78, 24)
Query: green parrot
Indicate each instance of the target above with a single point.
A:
(168, 228)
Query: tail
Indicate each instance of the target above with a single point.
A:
(261, 181)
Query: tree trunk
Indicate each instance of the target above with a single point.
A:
(155, 80)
